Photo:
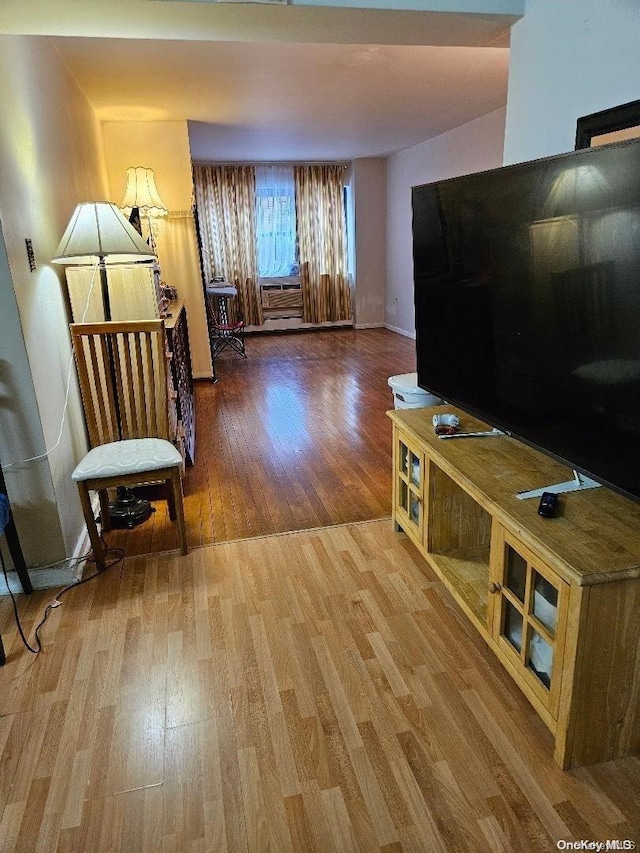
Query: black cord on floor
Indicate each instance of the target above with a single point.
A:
(15, 608)
(56, 601)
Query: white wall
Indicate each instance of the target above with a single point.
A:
(473, 147)
(164, 147)
(50, 159)
(30, 487)
(369, 223)
(569, 58)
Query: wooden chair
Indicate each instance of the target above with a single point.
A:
(122, 370)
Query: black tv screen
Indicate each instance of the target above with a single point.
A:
(527, 296)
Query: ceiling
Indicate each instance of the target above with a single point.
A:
(248, 101)
(283, 81)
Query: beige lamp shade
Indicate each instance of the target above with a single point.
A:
(98, 231)
(141, 192)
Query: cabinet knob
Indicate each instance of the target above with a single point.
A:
(494, 587)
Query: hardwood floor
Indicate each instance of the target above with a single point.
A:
(312, 691)
(291, 438)
(307, 691)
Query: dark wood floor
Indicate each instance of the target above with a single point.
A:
(293, 437)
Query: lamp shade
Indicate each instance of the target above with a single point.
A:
(98, 230)
(141, 192)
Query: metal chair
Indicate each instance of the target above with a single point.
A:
(224, 330)
(122, 369)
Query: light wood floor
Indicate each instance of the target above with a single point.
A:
(293, 437)
(312, 691)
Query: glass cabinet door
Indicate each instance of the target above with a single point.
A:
(527, 618)
(409, 487)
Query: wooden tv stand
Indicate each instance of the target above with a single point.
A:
(557, 600)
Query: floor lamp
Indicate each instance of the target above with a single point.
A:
(98, 234)
(141, 193)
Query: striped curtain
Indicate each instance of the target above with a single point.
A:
(226, 204)
(322, 243)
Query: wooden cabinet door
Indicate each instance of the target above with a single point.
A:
(529, 618)
(408, 493)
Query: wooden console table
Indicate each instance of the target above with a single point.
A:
(557, 600)
(178, 341)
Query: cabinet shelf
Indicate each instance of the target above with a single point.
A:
(466, 572)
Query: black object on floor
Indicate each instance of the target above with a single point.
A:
(128, 511)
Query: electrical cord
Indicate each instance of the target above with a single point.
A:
(56, 601)
(15, 609)
(44, 455)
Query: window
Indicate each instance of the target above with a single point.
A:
(276, 221)
(270, 222)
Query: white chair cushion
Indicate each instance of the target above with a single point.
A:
(132, 456)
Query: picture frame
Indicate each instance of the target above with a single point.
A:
(611, 125)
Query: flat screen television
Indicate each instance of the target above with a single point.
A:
(527, 296)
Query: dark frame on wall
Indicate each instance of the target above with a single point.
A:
(606, 121)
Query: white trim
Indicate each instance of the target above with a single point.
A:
(83, 544)
(402, 332)
(292, 324)
(47, 577)
(40, 579)
(369, 326)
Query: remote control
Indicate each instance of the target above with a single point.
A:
(548, 505)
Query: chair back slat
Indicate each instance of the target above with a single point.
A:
(122, 372)
(148, 360)
(107, 393)
(130, 401)
(93, 356)
(140, 383)
(99, 391)
(118, 375)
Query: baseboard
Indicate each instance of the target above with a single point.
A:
(59, 574)
(83, 543)
(294, 324)
(402, 332)
(45, 577)
(369, 326)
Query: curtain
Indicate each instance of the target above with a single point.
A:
(275, 220)
(226, 203)
(322, 243)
